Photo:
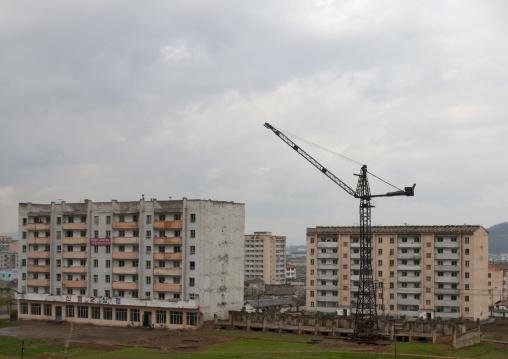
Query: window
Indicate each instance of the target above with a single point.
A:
(148, 219)
(466, 298)
(108, 235)
(192, 319)
(69, 311)
(108, 263)
(311, 294)
(380, 240)
(467, 263)
(392, 263)
(193, 233)
(312, 240)
(175, 317)
(466, 275)
(148, 280)
(108, 278)
(466, 252)
(121, 314)
(193, 217)
(95, 278)
(47, 310)
(96, 263)
(82, 311)
(380, 273)
(160, 316)
(392, 274)
(192, 250)
(148, 249)
(466, 240)
(107, 313)
(135, 315)
(312, 262)
(35, 309)
(96, 313)
(192, 265)
(108, 219)
(380, 251)
(466, 287)
(379, 263)
(148, 265)
(191, 282)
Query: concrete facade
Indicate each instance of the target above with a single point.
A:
(8, 253)
(265, 257)
(163, 263)
(421, 271)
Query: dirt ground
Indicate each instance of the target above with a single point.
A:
(113, 338)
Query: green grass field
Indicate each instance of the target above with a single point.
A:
(253, 345)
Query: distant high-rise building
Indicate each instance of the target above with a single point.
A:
(8, 253)
(420, 271)
(265, 257)
(161, 263)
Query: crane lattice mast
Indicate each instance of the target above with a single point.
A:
(366, 324)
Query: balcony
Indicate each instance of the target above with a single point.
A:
(327, 255)
(355, 277)
(327, 287)
(446, 303)
(38, 269)
(39, 254)
(409, 279)
(355, 255)
(446, 315)
(412, 256)
(38, 226)
(409, 290)
(409, 245)
(446, 279)
(167, 224)
(447, 268)
(408, 301)
(73, 226)
(327, 309)
(74, 255)
(38, 282)
(167, 271)
(125, 270)
(327, 266)
(125, 225)
(167, 240)
(446, 244)
(328, 244)
(74, 283)
(125, 240)
(328, 298)
(125, 255)
(39, 240)
(406, 267)
(76, 270)
(166, 287)
(125, 285)
(75, 240)
(327, 277)
(167, 256)
(454, 291)
(453, 256)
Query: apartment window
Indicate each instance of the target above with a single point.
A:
(466, 298)
(428, 255)
(392, 296)
(467, 263)
(466, 275)
(191, 282)
(192, 250)
(312, 251)
(312, 294)
(96, 249)
(148, 265)
(108, 234)
(108, 278)
(466, 240)
(58, 220)
(392, 263)
(47, 309)
(193, 233)
(312, 262)
(380, 274)
(380, 251)
(96, 263)
(192, 265)
(108, 249)
(312, 240)
(466, 252)
(380, 240)
(392, 274)
(193, 217)
(69, 311)
(95, 278)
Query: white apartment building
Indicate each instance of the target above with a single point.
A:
(265, 257)
(420, 271)
(170, 263)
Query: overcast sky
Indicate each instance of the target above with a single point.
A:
(114, 99)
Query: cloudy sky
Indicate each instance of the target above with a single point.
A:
(115, 99)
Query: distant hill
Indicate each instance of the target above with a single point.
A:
(498, 238)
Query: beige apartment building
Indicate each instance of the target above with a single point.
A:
(420, 271)
(8, 253)
(172, 263)
(265, 257)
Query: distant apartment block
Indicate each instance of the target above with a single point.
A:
(290, 272)
(265, 257)
(8, 253)
(156, 263)
(420, 271)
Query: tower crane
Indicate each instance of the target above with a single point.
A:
(366, 324)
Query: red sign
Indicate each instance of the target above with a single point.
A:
(100, 241)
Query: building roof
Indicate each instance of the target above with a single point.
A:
(263, 303)
(449, 229)
(289, 266)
